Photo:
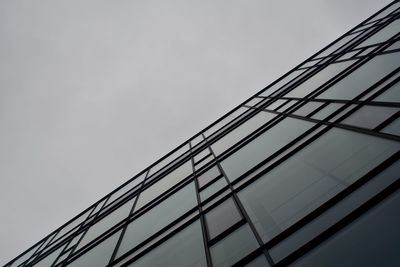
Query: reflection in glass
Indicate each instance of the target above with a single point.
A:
(372, 240)
(295, 188)
(363, 77)
(370, 116)
(184, 249)
(222, 217)
(233, 247)
(319, 79)
(263, 146)
(242, 131)
(98, 256)
(158, 217)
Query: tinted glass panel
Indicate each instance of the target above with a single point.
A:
(391, 95)
(372, 240)
(185, 249)
(263, 146)
(106, 223)
(222, 217)
(393, 128)
(233, 247)
(99, 256)
(307, 108)
(296, 187)
(208, 176)
(48, 260)
(326, 111)
(383, 35)
(158, 217)
(363, 77)
(260, 261)
(318, 79)
(242, 131)
(212, 189)
(370, 116)
(164, 184)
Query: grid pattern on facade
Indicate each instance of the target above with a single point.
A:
(289, 177)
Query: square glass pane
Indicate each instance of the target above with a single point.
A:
(312, 176)
(371, 240)
(363, 77)
(233, 247)
(318, 79)
(263, 146)
(241, 131)
(184, 249)
(222, 217)
(164, 184)
(208, 176)
(98, 256)
(158, 217)
(370, 116)
(106, 223)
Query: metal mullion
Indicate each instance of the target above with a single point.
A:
(200, 208)
(242, 210)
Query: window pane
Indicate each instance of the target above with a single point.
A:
(242, 131)
(48, 260)
(370, 116)
(233, 247)
(260, 261)
(164, 184)
(263, 146)
(302, 183)
(212, 189)
(184, 249)
(336, 213)
(308, 108)
(326, 111)
(168, 160)
(371, 240)
(126, 188)
(208, 176)
(158, 217)
(222, 217)
(106, 223)
(383, 35)
(363, 77)
(99, 256)
(318, 79)
(390, 95)
(393, 128)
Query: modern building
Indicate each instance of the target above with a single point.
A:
(304, 173)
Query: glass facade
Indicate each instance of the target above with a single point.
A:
(304, 173)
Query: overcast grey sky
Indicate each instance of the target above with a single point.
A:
(92, 92)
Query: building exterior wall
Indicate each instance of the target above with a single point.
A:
(304, 173)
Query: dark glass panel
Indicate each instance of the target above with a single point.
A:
(222, 217)
(308, 108)
(383, 35)
(390, 95)
(263, 146)
(370, 116)
(212, 189)
(363, 77)
(208, 176)
(372, 240)
(184, 249)
(233, 247)
(309, 178)
(326, 111)
(260, 261)
(393, 128)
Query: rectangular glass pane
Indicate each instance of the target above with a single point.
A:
(263, 146)
(318, 79)
(363, 77)
(158, 217)
(383, 35)
(241, 131)
(168, 160)
(164, 184)
(393, 128)
(213, 188)
(49, 259)
(390, 95)
(309, 178)
(326, 111)
(184, 249)
(233, 247)
(308, 108)
(222, 217)
(370, 116)
(208, 176)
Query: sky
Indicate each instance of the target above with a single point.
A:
(92, 92)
